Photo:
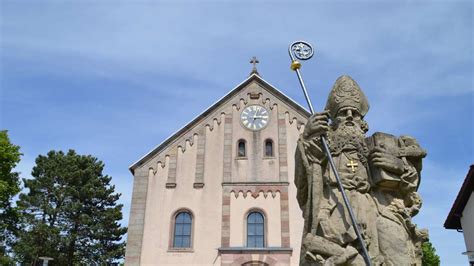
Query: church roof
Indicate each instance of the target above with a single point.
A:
(253, 77)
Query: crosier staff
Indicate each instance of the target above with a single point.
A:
(303, 50)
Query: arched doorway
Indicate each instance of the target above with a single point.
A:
(255, 263)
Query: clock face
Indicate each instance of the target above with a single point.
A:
(254, 117)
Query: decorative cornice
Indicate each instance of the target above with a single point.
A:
(255, 183)
(254, 193)
(245, 250)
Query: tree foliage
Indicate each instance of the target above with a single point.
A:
(70, 212)
(9, 181)
(9, 187)
(429, 255)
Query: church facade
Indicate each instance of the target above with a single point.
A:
(220, 191)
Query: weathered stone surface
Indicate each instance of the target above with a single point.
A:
(380, 175)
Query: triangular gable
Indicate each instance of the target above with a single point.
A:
(254, 77)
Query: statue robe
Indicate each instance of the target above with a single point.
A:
(322, 203)
(384, 216)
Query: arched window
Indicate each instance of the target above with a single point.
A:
(268, 148)
(255, 263)
(241, 148)
(255, 230)
(182, 230)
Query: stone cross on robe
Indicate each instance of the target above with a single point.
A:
(352, 165)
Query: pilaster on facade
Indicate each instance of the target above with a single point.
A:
(200, 157)
(285, 217)
(225, 231)
(282, 147)
(136, 222)
(227, 169)
(172, 168)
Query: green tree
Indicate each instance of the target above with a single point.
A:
(9, 187)
(70, 212)
(429, 255)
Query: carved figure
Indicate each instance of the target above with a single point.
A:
(380, 175)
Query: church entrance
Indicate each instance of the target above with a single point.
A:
(255, 263)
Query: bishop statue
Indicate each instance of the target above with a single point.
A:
(380, 175)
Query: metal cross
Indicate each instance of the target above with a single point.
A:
(352, 165)
(254, 61)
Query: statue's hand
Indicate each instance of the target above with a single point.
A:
(318, 124)
(386, 161)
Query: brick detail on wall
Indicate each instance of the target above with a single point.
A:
(136, 223)
(171, 182)
(200, 157)
(272, 259)
(256, 188)
(282, 147)
(227, 167)
(225, 234)
(285, 218)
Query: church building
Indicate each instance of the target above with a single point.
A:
(220, 191)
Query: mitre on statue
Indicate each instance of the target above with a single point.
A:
(346, 93)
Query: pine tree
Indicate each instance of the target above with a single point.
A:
(429, 255)
(9, 187)
(70, 212)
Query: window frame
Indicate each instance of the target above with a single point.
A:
(238, 149)
(265, 148)
(265, 227)
(171, 247)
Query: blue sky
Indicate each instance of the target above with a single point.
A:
(115, 78)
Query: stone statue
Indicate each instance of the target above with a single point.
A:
(380, 175)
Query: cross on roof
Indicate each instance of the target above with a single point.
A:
(254, 61)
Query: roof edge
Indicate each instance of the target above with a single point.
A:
(188, 126)
(453, 221)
